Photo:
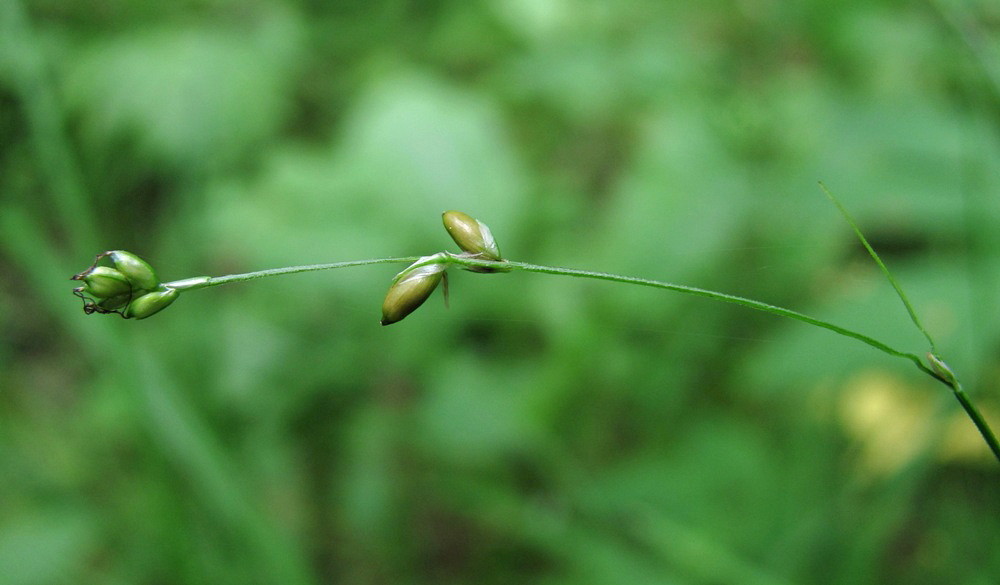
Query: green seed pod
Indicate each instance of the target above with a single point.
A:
(102, 282)
(471, 235)
(135, 269)
(410, 289)
(150, 303)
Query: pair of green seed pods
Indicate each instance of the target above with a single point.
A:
(413, 286)
(130, 289)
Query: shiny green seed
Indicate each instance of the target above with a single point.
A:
(102, 282)
(151, 303)
(135, 269)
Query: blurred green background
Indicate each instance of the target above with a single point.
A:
(543, 429)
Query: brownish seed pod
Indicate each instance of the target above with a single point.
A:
(471, 235)
(410, 289)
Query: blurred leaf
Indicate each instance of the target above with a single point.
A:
(50, 547)
(193, 99)
(468, 418)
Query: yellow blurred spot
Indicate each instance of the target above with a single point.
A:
(889, 420)
(962, 441)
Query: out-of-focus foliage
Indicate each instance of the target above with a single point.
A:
(544, 429)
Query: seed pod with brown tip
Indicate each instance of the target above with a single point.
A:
(410, 289)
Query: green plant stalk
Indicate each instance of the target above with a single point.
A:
(975, 415)
(945, 376)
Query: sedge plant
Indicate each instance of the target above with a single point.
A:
(130, 288)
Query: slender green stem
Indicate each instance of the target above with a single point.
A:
(208, 281)
(977, 417)
(940, 370)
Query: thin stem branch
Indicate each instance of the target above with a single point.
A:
(209, 281)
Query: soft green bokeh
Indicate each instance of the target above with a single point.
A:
(543, 429)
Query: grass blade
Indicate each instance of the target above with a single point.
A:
(881, 265)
